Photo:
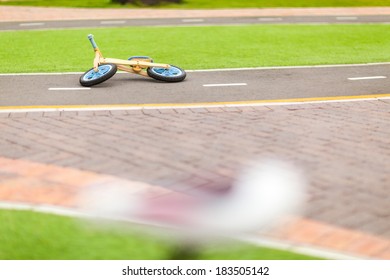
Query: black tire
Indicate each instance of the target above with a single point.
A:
(172, 75)
(91, 78)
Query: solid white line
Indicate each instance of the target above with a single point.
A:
(222, 69)
(346, 18)
(367, 78)
(42, 209)
(225, 85)
(78, 88)
(113, 22)
(300, 249)
(32, 24)
(289, 67)
(42, 74)
(192, 20)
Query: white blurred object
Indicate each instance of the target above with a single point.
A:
(263, 194)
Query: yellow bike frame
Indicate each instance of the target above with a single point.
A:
(135, 65)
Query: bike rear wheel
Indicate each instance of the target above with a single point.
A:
(172, 74)
(91, 78)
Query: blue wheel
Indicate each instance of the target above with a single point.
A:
(171, 74)
(91, 78)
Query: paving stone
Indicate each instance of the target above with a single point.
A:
(52, 114)
(343, 148)
(198, 110)
(102, 113)
(18, 114)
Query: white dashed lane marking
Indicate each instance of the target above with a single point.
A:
(108, 22)
(192, 20)
(67, 89)
(270, 19)
(225, 85)
(346, 18)
(367, 78)
(31, 24)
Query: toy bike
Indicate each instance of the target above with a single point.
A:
(104, 68)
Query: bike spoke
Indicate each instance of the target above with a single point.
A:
(92, 75)
(172, 71)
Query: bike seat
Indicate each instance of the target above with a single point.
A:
(141, 58)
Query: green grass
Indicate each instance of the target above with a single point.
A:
(26, 235)
(193, 4)
(197, 47)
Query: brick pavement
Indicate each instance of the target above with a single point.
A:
(341, 146)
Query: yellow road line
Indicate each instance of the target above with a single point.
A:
(200, 104)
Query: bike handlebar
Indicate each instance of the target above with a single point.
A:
(93, 43)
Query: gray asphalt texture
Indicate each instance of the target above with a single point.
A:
(385, 19)
(261, 84)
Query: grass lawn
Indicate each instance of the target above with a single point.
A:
(207, 4)
(197, 47)
(36, 236)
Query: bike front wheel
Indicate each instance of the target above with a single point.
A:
(91, 78)
(172, 74)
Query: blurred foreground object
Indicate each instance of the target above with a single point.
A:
(263, 195)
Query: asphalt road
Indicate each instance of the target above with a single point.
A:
(194, 21)
(199, 87)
